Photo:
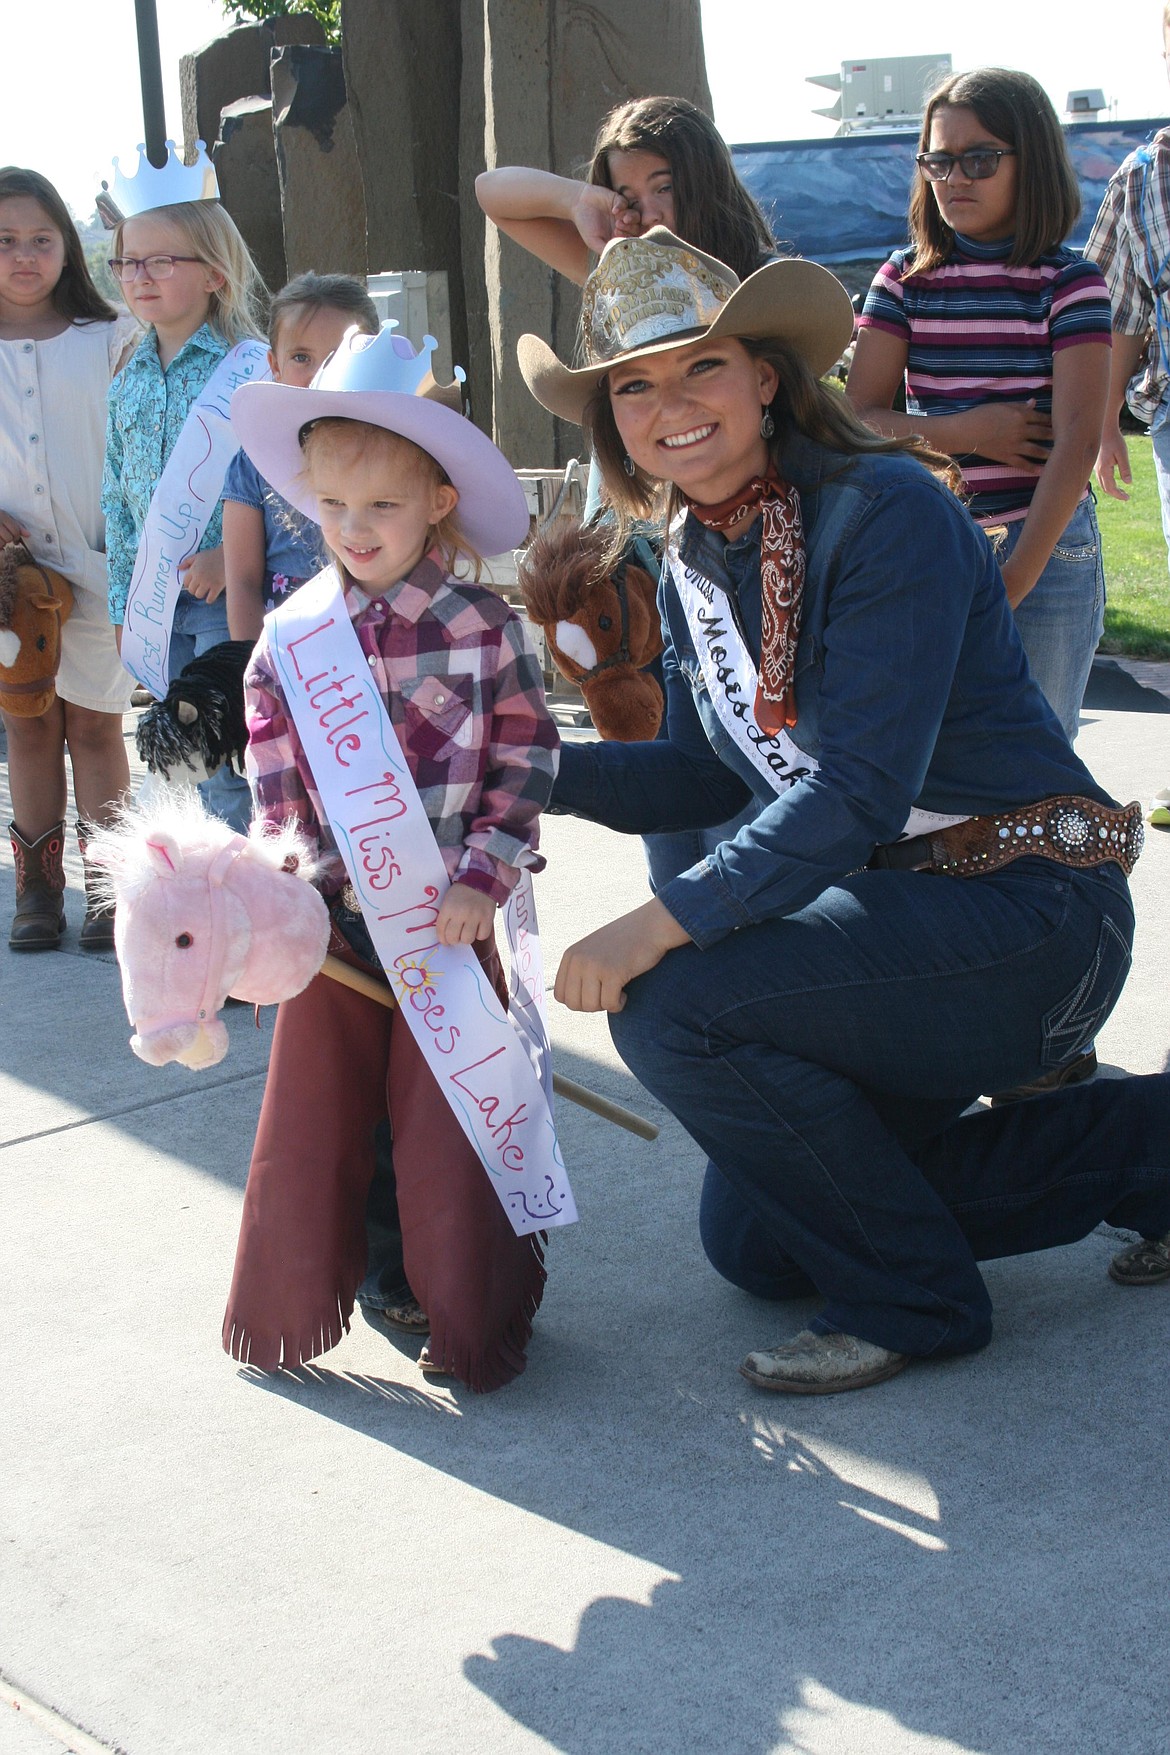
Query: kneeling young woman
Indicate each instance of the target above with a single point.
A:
(933, 902)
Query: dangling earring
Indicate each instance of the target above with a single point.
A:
(767, 424)
(628, 464)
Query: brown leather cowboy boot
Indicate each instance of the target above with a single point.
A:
(39, 920)
(97, 929)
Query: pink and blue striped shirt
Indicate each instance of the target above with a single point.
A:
(979, 330)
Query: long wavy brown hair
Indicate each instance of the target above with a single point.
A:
(75, 296)
(712, 209)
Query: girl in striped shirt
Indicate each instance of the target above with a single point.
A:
(1002, 337)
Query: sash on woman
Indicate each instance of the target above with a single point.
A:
(187, 494)
(731, 682)
(490, 1069)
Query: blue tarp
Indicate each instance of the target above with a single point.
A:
(845, 198)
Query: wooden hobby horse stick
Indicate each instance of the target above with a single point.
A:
(579, 1094)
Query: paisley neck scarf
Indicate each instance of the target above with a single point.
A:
(781, 585)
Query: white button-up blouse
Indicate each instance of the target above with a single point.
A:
(52, 438)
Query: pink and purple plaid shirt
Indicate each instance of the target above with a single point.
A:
(465, 696)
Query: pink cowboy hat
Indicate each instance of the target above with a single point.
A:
(380, 379)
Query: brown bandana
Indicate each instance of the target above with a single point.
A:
(781, 586)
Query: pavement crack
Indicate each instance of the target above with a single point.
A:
(46, 1133)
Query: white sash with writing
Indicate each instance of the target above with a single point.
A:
(730, 677)
(187, 494)
(491, 1070)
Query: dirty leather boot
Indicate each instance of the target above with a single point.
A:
(97, 929)
(39, 920)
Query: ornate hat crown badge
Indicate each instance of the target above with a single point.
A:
(388, 363)
(148, 186)
(641, 293)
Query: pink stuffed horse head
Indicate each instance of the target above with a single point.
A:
(202, 912)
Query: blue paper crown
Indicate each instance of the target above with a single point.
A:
(387, 362)
(149, 186)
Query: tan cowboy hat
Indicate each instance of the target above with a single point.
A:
(651, 294)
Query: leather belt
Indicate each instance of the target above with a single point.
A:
(1070, 830)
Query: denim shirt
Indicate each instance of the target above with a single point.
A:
(912, 688)
(147, 410)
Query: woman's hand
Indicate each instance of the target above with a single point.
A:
(11, 529)
(1008, 432)
(594, 972)
(600, 214)
(202, 574)
(464, 915)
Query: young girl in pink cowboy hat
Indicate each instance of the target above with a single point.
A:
(403, 488)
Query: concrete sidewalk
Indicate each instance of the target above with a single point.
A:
(627, 1550)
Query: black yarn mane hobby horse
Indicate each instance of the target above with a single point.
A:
(201, 714)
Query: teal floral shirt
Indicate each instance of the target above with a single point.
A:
(147, 409)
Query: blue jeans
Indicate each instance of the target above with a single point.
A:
(823, 1062)
(197, 627)
(1160, 435)
(1061, 619)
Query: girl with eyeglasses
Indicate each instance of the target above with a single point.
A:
(60, 344)
(1002, 337)
(186, 273)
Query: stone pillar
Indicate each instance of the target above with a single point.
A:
(402, 74)
(320, 183)
(474, 228)
(551, 71)
(234, 66)
(245, 165)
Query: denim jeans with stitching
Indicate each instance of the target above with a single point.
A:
(1160, 435)
(823, 1062)
(1061, 619)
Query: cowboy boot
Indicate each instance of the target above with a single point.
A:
(97, 929)
(40, 890)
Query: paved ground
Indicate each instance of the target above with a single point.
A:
(627, 1550)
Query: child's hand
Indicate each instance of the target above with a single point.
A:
(600, 214)
(202, 574)
(464, 915)
(1113, 461)
(1010, 432)
(11, 529)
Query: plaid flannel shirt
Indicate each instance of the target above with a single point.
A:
(465, 696)
(1130, 243)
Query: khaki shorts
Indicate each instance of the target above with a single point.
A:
(91, 674)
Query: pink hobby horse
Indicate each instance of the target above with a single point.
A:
(201, 913)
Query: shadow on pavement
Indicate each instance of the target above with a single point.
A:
(890, 1571)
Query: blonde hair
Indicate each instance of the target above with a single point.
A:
(236, 308)
(402, 457)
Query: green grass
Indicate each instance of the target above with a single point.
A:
(1137, 583)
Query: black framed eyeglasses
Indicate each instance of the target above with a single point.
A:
(125, 268)
(975, 166)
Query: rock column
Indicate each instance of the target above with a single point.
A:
(316, 159)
